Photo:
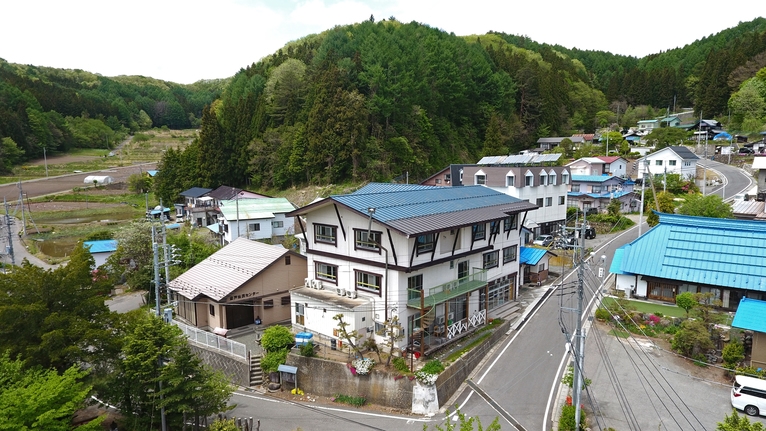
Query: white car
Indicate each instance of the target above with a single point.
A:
(749, 395)
(543, 240)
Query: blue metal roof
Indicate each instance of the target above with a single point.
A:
(152, 172)
(605, 195)
(750, 314)
(394, 202)
(531, 255)
(101, 246)
(617, 261)
(591, 178)
(701, 250)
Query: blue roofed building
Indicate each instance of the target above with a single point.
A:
(535, 264)
(595, 192)
(101, 249)
(435, 258)
(695, 254)
(749, 317)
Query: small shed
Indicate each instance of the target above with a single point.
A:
(98, 180)
(101, 249)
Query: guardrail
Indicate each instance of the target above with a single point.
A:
(212, 340)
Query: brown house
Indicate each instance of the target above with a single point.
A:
(242, 281)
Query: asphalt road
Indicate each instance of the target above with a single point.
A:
(736, 180)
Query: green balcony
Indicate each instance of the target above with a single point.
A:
(444, 292)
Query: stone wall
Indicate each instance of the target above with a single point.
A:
(236, 369)
(328, 378)
(450, 380)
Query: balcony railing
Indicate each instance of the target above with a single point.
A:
(452, 289)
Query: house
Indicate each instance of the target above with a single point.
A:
(547, 144)
(435, 258)
(235, 285)
(534, 264)
(101, 249)
(612, 165)
(534, 177)
(749, 316)
(633, 137)
(196, 207)
(748, 209)
(670, 121)
(669, 160)
(759, 164)
(695, 254)
(648, 125)
(598, 191)
(260, 218)
(158, 213)
(705, 129)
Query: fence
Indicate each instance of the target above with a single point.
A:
(212, 340)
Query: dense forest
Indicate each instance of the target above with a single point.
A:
(382, 99)
(55, 110)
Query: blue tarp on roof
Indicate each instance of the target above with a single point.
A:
(531, 255)
(701, 250)
(101, 246)
(750, 314)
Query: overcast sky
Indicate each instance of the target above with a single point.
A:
(187, 40)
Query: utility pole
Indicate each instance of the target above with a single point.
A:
(578, 341)
(155, 249)
(10, 234)
(643, 187)
(23, 229)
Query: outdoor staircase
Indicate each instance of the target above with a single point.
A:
(426, 321)
(510, 311)
(256, 374)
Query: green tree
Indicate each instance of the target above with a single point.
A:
(132, 261)
(139, 183)
(38, 399)
(10, 154)
(735, 422)
(705, 206)
(614, 207)
(692, 339)
(686, 301)
(666, 205)
(732, 354)
(667, 136)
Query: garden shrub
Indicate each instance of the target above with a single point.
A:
(400, 364)
(733, 353)
(692, 339)
(271, 361)
(603, 314)
(567, 420)
(307, 350)
(276, 338)
(433, 366)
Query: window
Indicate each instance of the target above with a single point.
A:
(326, 272)
(539, 202)
(562, 200)
(299, 310)
(494, 227)
(367, 281)
(254, 227)
(277, 224)
(285, 300)
(212, 310)
(287, 259)
(510, 181)
(575, 187)
(509, 223)
(481, 179)
(552, 178)
(687, 164)
(425, 243)
(414, 286)
(543, 180)
(564, 178)
(671, 162)
(479, 231)
(438, 181)
(509, 254)
(364, 242)
(595, 189)
(529, 180)
(549, 201)
(490, 259)
(447, 177)
(324, 233)
(269, 303)
(541, 267)
(658, 162)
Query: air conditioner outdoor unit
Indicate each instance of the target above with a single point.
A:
(439, 320)
(351, 294)
(317, 284)
(308, 282)
(451, 316)
(340, 291)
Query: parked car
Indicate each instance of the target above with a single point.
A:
(749, 395)
(543, 240)
(745, 151)
(590, 233)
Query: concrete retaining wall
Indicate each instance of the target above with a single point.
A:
(328, 378)
(236, 369)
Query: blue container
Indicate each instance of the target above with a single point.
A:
(303, 338)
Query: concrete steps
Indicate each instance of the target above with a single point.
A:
(256, 373)
(509, 311)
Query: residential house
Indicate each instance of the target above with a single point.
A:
(705, 130)
(260, 218)
(750, 209)
(101, 249)
(612, 165)
(669, 160)
(749, 316)
(196, 207)
(434, 258)
(633, 137)
(534, 264)
(759, 164)
(533, 177)
(547, 144)
(646, 126)
(598, 191)
(670, 121)
(240, 282)
(695, 254)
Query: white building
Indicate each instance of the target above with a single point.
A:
(259, 218)
(436, 258)
(611, 166)
(670, 160)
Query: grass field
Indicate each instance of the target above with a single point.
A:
(651, 307)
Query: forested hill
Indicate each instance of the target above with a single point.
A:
(377, 100)
(60, 109)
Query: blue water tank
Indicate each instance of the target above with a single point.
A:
(303, 338)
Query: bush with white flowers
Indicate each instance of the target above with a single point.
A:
(426, 378)
(363, 366)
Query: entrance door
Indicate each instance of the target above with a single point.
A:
(462, 269)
